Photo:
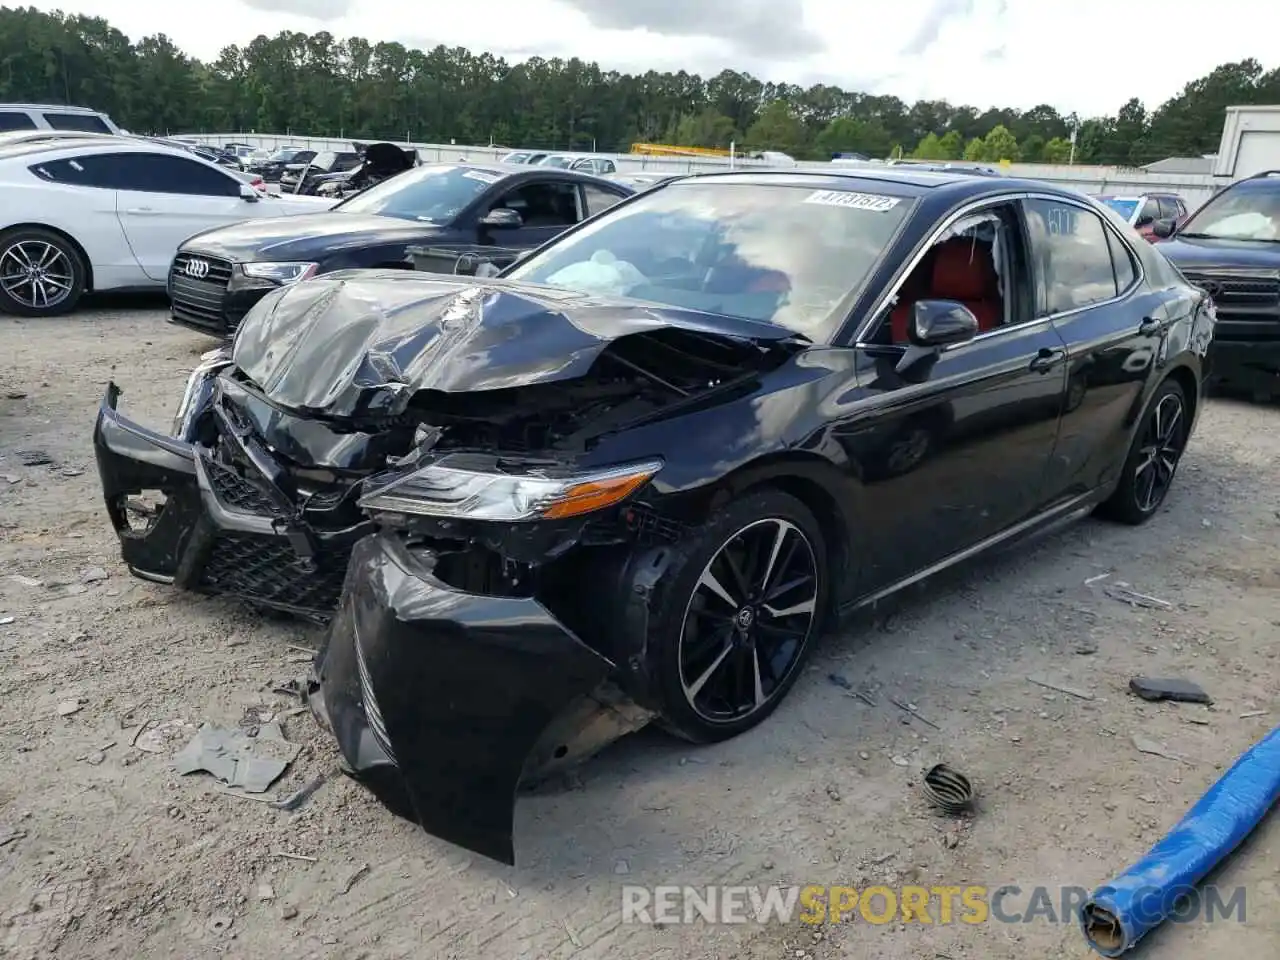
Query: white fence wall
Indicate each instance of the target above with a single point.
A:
(1194, 188)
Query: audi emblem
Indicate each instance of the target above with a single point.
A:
(196, 269)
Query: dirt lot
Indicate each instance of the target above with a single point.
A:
(105, 851)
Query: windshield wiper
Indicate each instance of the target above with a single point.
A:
(1214, 236)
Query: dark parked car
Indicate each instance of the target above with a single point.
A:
(1230, 247)
(444, 205)
(272, 169)
(640, 472)
(1142, 211)
(298, 176)
(378, 161)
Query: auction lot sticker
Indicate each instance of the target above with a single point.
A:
(854, 201)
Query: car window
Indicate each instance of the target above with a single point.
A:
(83, 122)
(430, 194)
(1151, 208)
(608, 166)
(1121, 205)
(598, 198)
(1071, 254)
(976, 262)
(543, 203)
(784, 254)
(1121, 262)
(15, 120)
(1248, 210)
(141, 172)
(1169, 209)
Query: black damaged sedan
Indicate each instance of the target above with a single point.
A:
(636, 475)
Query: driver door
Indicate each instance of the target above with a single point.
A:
(954, 447)
(547, 208)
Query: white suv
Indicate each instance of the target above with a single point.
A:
(49, 116)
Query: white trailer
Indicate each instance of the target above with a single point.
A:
(1250, 142)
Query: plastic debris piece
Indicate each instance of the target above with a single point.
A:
(249, 763)
(1184, 691)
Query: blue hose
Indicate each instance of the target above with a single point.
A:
(1125, 910)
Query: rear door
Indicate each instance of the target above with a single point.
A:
(162, 200)
(955, 447)
(1090, 287)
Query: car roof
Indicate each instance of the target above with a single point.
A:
(903, 180)
(60, 149)
(520, 169)
(60, 107)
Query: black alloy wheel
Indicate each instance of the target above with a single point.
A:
(743, 610)
(1153, 459)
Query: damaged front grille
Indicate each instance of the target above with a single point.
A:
(267, 570)
(236, 493)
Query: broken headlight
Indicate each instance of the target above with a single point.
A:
(282, 273)
(210, 364)
(441, 490)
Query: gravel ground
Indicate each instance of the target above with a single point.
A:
(105, 851)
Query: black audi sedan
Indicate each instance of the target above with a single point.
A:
(637, 474)
(219, 274)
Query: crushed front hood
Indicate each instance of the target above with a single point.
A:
(357, 343)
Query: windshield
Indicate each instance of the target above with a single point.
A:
(557, 161)
(1124, 207)
(434, 194)
(324, 161)
(1247, 211)
(789, 255)
(284, 155)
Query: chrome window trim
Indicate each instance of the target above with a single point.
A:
(996, 200)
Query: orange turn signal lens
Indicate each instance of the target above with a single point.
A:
(595, 495)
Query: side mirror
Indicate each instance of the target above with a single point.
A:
(502, 217)
(248, 194)
(1164, 229)
(1145, 221)
(937, 323)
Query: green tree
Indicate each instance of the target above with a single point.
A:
(999, 145)
(848, 135)
(930, 148)
(705, 129)
(1057, 150)
(1031, 149)
(777, 129)
(952, 143)
(976, 150)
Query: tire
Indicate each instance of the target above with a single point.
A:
(60, 267)
(690, 705)
(1133, 502)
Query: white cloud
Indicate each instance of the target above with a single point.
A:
(1087, 56)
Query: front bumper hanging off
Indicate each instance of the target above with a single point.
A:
(449, 699)
(214, 530)
(442, 701)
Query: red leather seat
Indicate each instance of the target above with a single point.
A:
(962, 271)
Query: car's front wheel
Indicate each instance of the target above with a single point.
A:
(1153, 458)
(41, 273)
(739, 616)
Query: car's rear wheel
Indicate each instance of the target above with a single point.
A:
(41, 273)
(739, 617)
(1153, 458)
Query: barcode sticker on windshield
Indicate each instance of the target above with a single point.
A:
(482, 175)
(855, 201)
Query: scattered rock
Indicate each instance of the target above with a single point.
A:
(863, 755)
(5, 621)
(899, 761)
(288, 912)
(67, 707)
(833, 793)
(25, 580)
(266, 893)
(94, 575)
(95, 757)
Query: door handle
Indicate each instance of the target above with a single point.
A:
(140, 211)
(1150, 325)
(1047, 359)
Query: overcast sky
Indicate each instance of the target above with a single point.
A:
(1078, 55)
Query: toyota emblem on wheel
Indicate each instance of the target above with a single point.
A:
(197, 269)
